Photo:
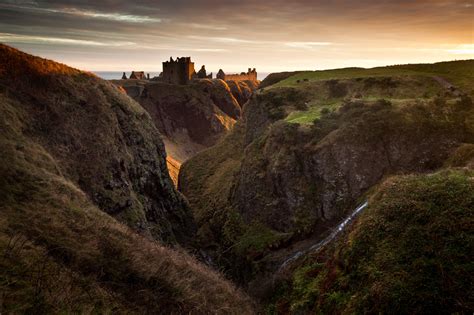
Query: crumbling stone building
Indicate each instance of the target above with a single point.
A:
(138, 75)
(179, 71)
(202, 74)
(250, 75)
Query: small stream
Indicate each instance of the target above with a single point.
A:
(337, 230)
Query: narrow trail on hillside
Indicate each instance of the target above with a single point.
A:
(337, 230)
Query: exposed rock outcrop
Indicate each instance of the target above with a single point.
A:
(102, 141)
(412, 224)
(194, 116)
(74, 149)
(271, 183)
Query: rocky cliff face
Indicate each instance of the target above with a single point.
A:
(309, 181)
(291, 181)
(190, 117)
(102, 141)
(74, 153)
(409, 227)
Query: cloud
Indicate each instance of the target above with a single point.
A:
(26, 39)
(28, 6)
(227, 40)
(111, 16)
(207, 26)
(233, 32)
(307, 45)
(464, 49)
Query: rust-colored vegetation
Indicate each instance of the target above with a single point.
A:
(69, 154)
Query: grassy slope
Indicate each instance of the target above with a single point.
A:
(102, 141)
(459, 73)
(413, 78)
(59, 253)
(215, 187)
(62, 254)
(409, 252)
(415, 109)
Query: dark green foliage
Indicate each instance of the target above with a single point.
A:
(325, 111)
(336, 89)
(276, 101)
(274, 78)
(382, 118)
(277, 113)
(382, 82)
(408, 253)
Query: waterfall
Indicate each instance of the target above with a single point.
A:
(338, 229)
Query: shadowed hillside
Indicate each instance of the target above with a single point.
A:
(190, 117)
(77, 152)
(305, 153)
(409, 252)
(100, 139)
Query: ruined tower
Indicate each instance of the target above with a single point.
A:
(138, 75)
(178, 72)
(202, 74)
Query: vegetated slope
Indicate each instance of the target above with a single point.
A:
(459, 73)
(409, 252)
(100, 139)
(276, 77)
(274, 181)
(190, 117)
(74, 148)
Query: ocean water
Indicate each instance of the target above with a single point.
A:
(117, 75)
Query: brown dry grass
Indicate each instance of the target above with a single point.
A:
(69, 256)
(59, 253)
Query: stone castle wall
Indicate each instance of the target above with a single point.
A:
(179, 71)
(241, 77)
(250, 75)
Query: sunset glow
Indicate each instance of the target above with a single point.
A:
(108, 36)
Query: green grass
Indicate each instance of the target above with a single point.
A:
(346, 73)
(409, 252)
(460, 73)
(257, 238)
(331, 94)
(314, 112)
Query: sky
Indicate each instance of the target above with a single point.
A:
(271, 35)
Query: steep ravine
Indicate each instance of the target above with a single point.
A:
(190, 117)
(328, 239)
(390, 259)
(88, 212)
(272, 184)
(102, 141)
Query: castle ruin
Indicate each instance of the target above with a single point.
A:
(250, 75)
(136, 75)
(179, 71)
